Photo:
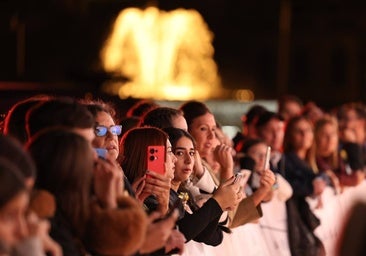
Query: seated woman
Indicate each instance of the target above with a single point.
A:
(205, 219)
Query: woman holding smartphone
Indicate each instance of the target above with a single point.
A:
(202, 126)
(151, 187)
(159, 233)
(202, 225)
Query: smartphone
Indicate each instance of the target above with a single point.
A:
(237, 177)
(156, 159)
(101, 152)
(268, 157)
(245, 176)
(242, 176)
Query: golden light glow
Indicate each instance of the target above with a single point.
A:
(244, 95)
(165, 55)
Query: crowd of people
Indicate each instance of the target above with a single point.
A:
(75, 180)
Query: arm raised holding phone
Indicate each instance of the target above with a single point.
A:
(229, 194)
(267, 180)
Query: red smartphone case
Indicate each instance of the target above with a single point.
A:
(156, 159)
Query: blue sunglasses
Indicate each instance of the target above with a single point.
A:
(101, 130)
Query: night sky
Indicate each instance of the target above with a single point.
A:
(324, 50)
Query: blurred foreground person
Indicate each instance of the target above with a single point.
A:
(92, 214)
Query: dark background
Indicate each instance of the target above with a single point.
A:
(320, 56)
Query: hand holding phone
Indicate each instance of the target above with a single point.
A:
(237, 177)
(242, 177)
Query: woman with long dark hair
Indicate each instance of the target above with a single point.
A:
(202, 225)
(86, 207)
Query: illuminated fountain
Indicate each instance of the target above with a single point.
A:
(164, 55)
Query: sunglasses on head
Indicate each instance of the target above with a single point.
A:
(101, 130)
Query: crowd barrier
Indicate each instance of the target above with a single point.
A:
(268, 237)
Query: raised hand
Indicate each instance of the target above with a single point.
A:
(175, 242)
(108, 182)
(138, 187)
(223, 155)
(159, 186)
(39, 228)
(158, 232)
(229, 194)
(198, 166)
(267, 180)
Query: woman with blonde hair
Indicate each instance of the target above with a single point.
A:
(305, 182)
(328, 158)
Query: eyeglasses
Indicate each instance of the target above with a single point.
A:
(101, 130)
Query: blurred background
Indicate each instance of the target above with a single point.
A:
(173, 50)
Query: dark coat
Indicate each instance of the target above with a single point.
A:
(301, 221)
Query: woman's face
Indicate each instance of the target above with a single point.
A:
(109, 141)
(203, 131)
(184, 151)
(258, 153)
(327, 140)
(273, 133)
(169, 161)
(302, 135)
(354, 123)
(13, 226)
